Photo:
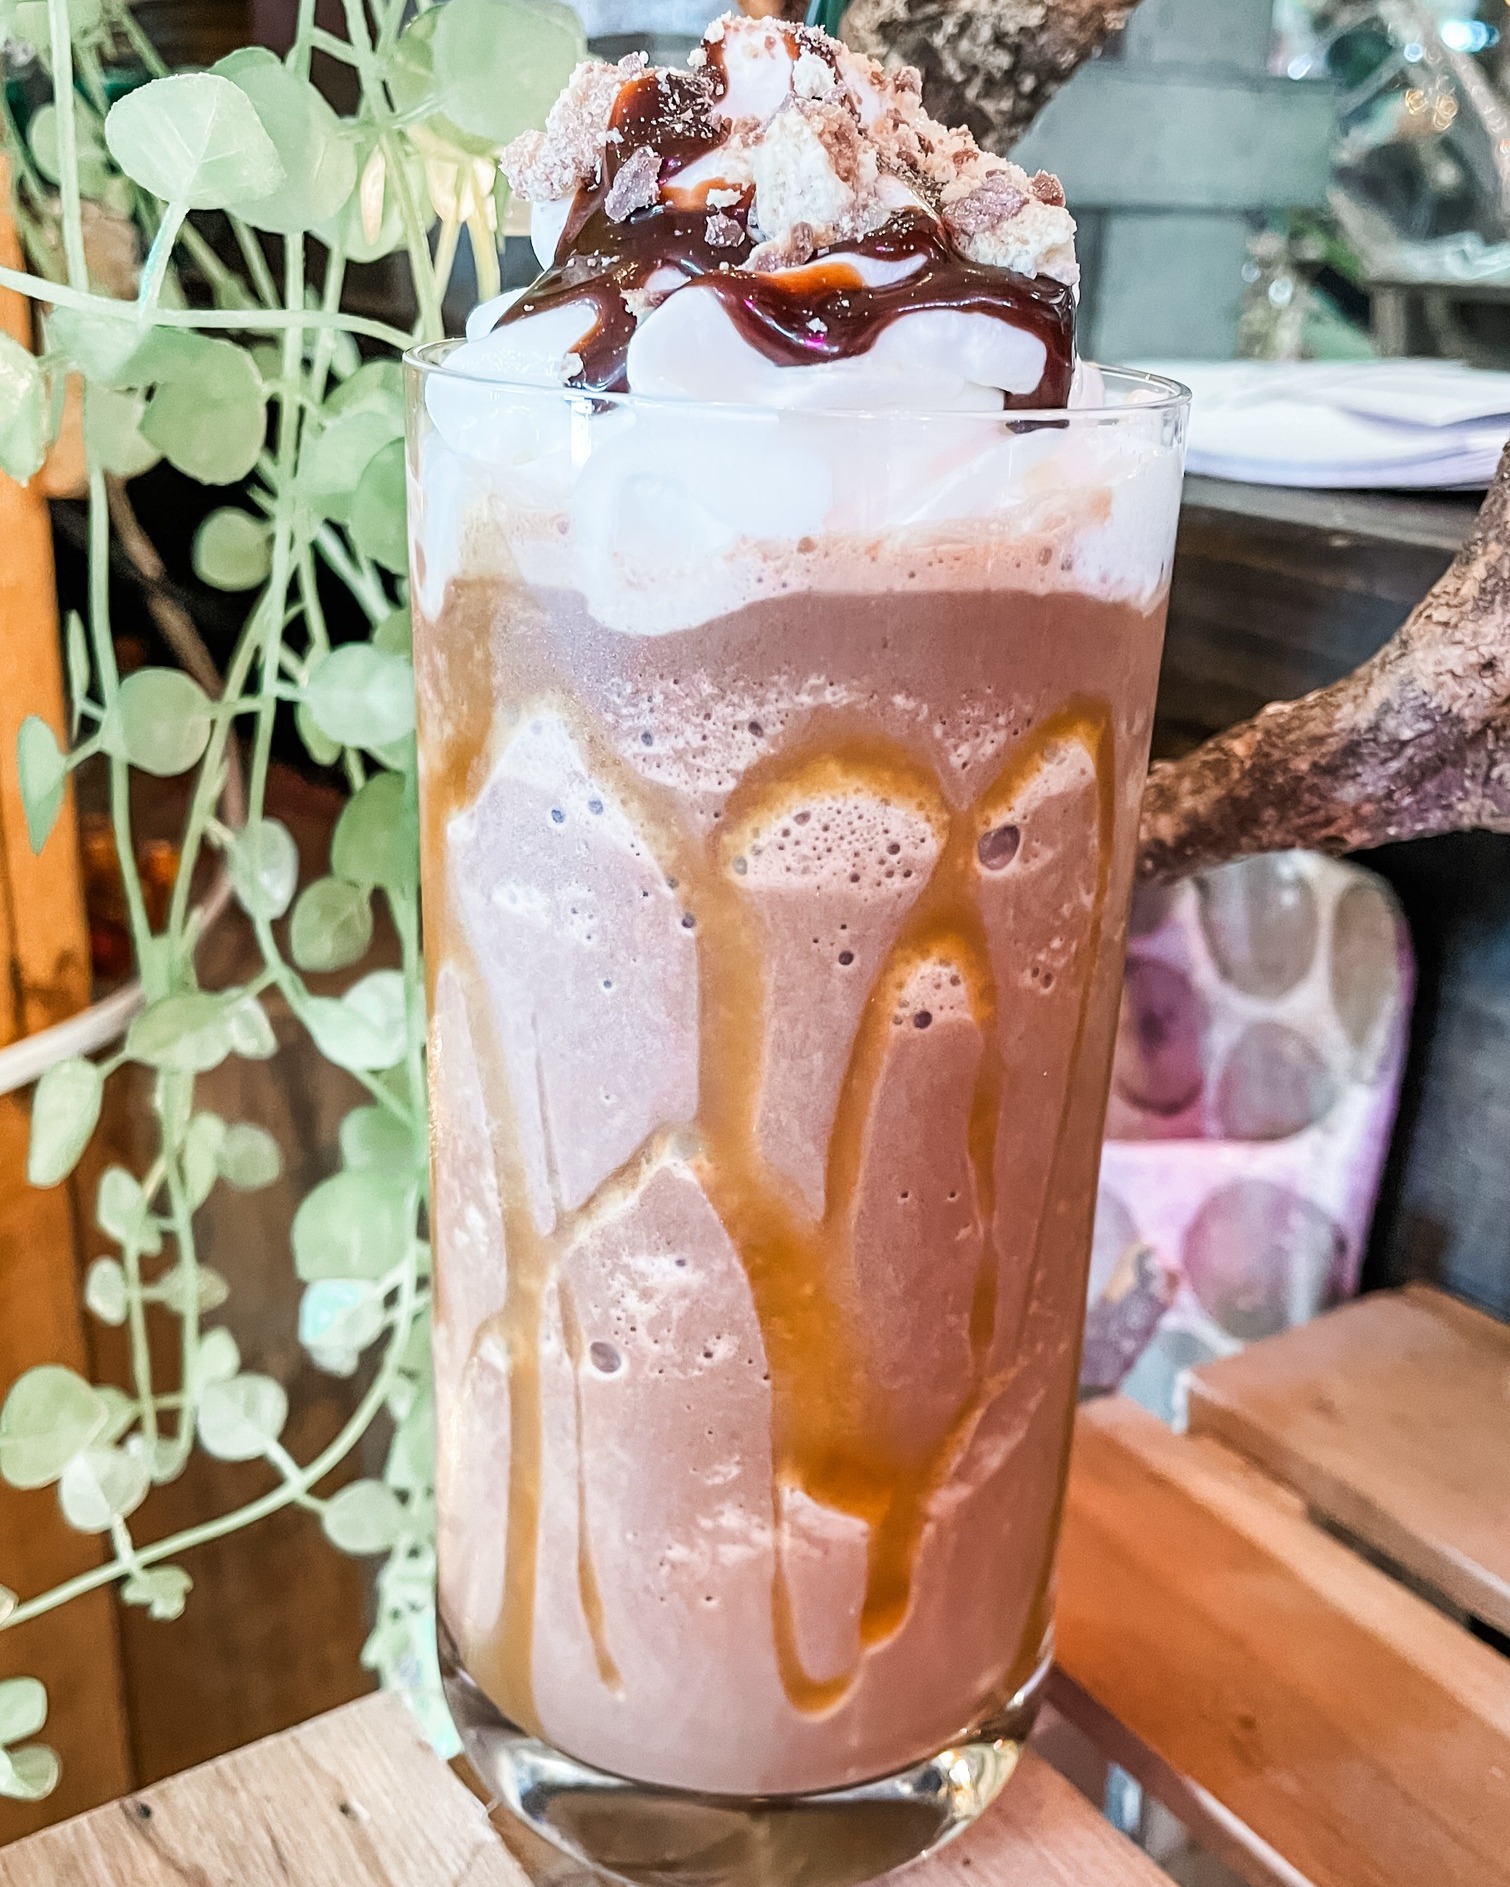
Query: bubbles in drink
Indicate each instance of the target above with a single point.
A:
(606, 1358)
(997, 848)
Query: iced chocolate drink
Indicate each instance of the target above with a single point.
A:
(787, 618)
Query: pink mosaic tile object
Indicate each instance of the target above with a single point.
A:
(1264, 1022)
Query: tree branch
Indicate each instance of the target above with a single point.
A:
(1415, 742)
(991, 65)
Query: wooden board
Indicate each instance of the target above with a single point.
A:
(355, 1797)
(1346, 1725)
(1391, 1418)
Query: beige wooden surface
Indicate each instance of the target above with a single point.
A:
(355, 1799)
(1391, 1418)
(1357, 1733)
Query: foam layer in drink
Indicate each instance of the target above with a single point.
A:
(774, 969)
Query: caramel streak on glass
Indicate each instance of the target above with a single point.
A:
(779, 779)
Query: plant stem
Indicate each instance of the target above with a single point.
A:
(282, 1496)
(68, 142)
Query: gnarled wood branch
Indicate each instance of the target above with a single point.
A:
(991, 65)
(1415, 742)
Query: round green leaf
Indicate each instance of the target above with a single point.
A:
(375, 386)
(377, 508)
(357, 1224)
(121, 1209)
(264, 867)
(162, 1589)
(365, 1517)
(232, 550)
(104, 342)
(251, 1034)
(337, 456)
(208, 1290)
(64, 1110)
(105, 1291)
(101, 1485)
(250, 1158)
(49, 1415)
(371, 1136)
(365, 1028)
(238, 1418)
(23, 410)
(361, 697)
(317, 155)
(411, 1454)
(394, 635)
(331, 925)
(186, 1032)
(160, 721)
(43, 771)
(376, 840)
(199, 1156)
(42, 136)
(113, 430)
(23, 1708)
(218, 1359)
(209, 415)
(29, 1773)
(544, 43)
(324, 751)
(338, 1318)
(194, 139)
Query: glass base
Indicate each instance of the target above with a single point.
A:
(658, 1837)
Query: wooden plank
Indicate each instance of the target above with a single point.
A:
(1388, 1417)
(356, 1797)
(1359, 1734)
(352, 1798)
(46, 972)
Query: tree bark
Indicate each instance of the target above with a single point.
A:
(991, 65)
(1416, 741)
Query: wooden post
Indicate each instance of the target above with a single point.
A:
(44, 976)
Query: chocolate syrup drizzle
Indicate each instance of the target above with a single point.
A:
(814, 313)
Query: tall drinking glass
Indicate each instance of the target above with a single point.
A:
(779, 785)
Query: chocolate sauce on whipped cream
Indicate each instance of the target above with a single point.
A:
(820, 311)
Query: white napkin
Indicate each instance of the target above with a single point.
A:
(1402, 424)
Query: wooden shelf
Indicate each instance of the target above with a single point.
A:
(1382, 1417)
(1313, 1719)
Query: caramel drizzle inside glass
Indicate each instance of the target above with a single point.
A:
(829, 1435)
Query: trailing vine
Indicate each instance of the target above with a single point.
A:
(249, 374)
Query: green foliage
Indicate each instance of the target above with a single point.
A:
(251, 376)
(317, 157)
(232, 550)
(64, 1111)
(23, 410)
(544, 41)
(159, 721)
(194, 139)
(208, 414)
(43, 771)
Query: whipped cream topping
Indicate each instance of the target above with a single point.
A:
(805, 195)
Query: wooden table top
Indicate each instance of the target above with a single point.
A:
(1391, 1418)
(357, 1799)
(1313, 1719)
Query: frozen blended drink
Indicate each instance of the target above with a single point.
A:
(788, 605)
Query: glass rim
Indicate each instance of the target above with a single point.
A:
(1160, 395)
